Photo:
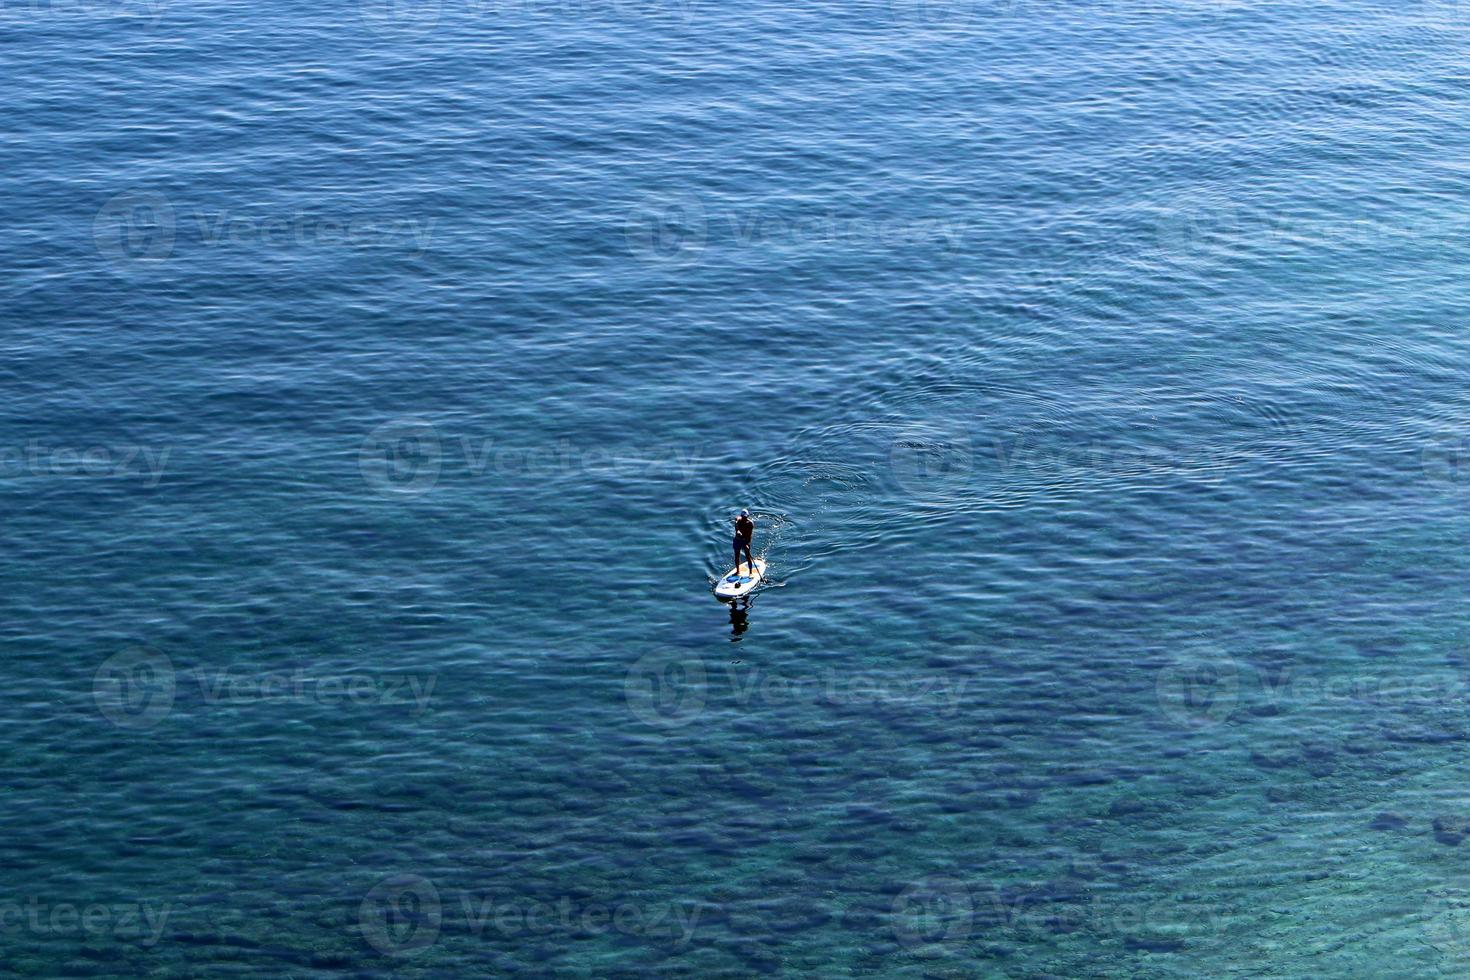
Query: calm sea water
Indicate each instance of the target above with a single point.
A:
(380, 382)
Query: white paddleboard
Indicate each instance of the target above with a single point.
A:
(733, 585)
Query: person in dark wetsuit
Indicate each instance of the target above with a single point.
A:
(744, 531)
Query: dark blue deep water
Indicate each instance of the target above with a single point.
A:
(379, 382)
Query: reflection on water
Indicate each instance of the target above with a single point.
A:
(739, 618)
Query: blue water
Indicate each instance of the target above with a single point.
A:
(380, 381)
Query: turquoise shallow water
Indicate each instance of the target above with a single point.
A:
(380, 380)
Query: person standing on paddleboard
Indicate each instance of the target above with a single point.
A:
(744, 531)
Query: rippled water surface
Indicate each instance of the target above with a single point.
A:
(379, 381)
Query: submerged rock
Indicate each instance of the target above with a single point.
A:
(1451, 830)
(1263, 761)
(1127, 806)
(1153, 945)
(756, 957)
(1389, 821)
